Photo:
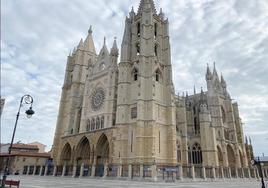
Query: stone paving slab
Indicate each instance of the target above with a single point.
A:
(59, 182)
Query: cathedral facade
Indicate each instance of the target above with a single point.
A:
(125, 120)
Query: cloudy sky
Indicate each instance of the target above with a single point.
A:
(36, 37)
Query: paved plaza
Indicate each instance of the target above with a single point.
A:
(59, 182)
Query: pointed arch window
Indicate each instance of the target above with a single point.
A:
(102, 122)
(155, 30)
(93, 124)
(197, 154)
(135, 74)
(196, 126)
(223, 115)
(155, 50)
(138, 49)
(98, 123)
(138, 29)
(88, 125)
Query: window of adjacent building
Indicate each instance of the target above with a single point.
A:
(138, 29)
(133, 112)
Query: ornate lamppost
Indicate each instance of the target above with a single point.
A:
(259, 164)
(26, 99)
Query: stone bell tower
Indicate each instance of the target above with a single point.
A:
(145, 118)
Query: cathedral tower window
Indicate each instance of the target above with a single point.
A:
(223, 115)
(157, 75)
(135, 74)
(155, 49)
(138, 29)
(155, 30)
(178, 154)
(138, 49)
(133, 112)
(196, 126)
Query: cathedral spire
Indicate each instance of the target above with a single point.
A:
(215, 73)
(223, 82)
(246, 140)
(89, 44)
(146, 4)
(104, 50)
(208, 74)
(114, 49)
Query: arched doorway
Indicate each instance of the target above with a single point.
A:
(83, 156)
(220, 156)
(102, 155)
(231, 161)
(241, 159)
(66, 156)
(231, 156)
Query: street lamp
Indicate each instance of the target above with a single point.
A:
(26, 99)
(258, 163)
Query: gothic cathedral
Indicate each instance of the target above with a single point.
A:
(125, 120)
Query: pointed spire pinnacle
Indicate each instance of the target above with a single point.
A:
(202, 97)
(194, 90)
(250, 141)
(104, 50)
(104, 41)
(208, 74)
(215, 73)
(146, 4)
(223, 82)
(89, 43)
(81, 43)
(114, 49)
(246, 138)
(161, 14)
(90, 30)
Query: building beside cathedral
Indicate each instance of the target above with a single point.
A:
(125, 120)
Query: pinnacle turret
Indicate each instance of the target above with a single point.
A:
(223, 82)
(89, 44)
(146, 4)
(114, 49)
(81, 44)
(215, 73)
(208, 74)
